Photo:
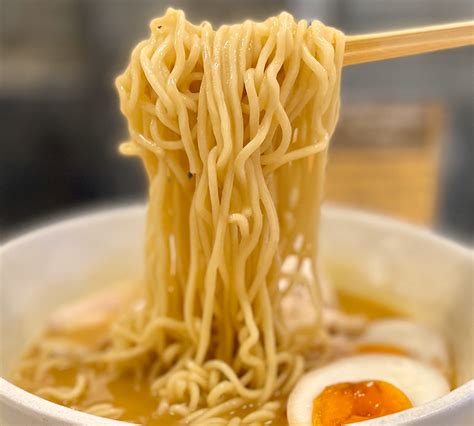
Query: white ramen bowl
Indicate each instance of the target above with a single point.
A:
(418, 273)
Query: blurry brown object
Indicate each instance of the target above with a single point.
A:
(384, 157)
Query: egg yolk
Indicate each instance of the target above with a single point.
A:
(380, 348)
(344, 403)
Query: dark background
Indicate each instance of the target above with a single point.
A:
(59, 118)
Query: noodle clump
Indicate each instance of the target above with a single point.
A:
(232, 126)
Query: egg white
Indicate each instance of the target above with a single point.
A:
(415, 339)
(420, 382)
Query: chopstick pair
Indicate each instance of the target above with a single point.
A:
(394, 44)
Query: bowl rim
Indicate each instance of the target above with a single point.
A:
(23, 401)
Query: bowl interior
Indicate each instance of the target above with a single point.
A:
(62, 262)
(403, 267)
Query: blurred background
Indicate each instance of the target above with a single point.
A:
(404, 145)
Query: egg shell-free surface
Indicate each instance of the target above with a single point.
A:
(419, 382)
(417, 340)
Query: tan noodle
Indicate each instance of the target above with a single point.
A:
(233, 127)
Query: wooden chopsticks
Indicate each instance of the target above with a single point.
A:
(394, 44)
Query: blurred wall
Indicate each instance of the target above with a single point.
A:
(59, 112)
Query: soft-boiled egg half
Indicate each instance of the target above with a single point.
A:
(363, 387)
(404, 337)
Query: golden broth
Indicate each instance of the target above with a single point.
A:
(126, 392)
(370, 309)
(132, 394)
(129, 393)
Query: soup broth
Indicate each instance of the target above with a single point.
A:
(128, 397)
